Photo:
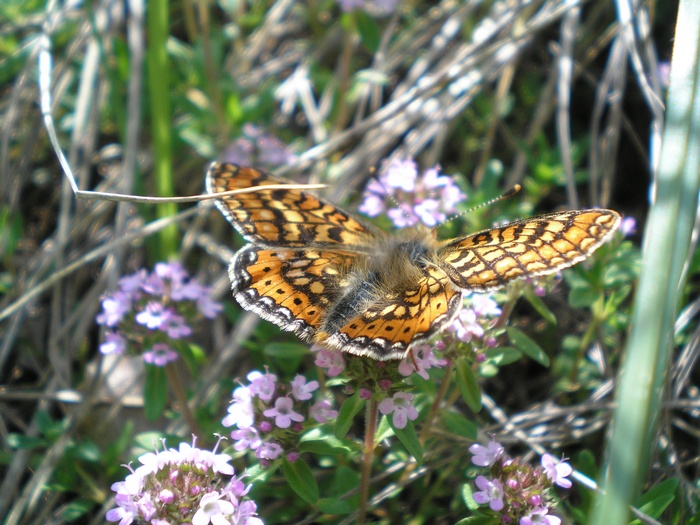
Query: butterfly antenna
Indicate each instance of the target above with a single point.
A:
(507, 195)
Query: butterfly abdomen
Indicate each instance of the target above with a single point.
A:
(356, 293)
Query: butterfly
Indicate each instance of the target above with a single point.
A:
(315, 270)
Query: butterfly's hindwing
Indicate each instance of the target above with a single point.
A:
(291, 288)
(385, 330)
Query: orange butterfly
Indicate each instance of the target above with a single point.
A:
(315, 270)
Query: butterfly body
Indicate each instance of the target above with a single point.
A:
(317, 271)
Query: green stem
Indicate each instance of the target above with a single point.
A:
(159, 97)
(444, 385)
(598, 309)
(371, 418)
(176, 385)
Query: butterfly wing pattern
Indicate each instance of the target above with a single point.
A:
(315, 270)
(489, 259)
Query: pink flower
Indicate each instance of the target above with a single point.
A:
(114, 344)
(491, 493)
(321, 411)
(131, 284)
(400, 406)
(207, 306)
(484, 306)
(241, 412)
(466, 325)
(538, 516)
(262, 385)
(189, 289)
(114, 308)
(425, 359)
(427, 198)
(212, 509)
(153, 316)
(246, 438)
(160, 355)
(485, 456)
(402, 217)
(301, 390)
(628, 226)
(557, 471)
(157, 493)
(268, 451)
(283, 412)
(429, 212)
(372, 205)
(174, 325)
(332, 361)
(402, 174)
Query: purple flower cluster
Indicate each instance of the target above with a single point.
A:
(517, 492)
(257, 147)
(268, 415)
(383, 376)
(333, 362)
(161, 305)
(480, 313)
(422, 357)
(183, 485)
(408, 199)
(628, 226)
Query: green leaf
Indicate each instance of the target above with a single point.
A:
(527, 346)
(368, 30)
(45, 424)
(76, 509)
(319, 441)
(468, 497)
(479, 520)
(384, 431)
(301, 479)
(286, 350)
(655, 500)
(616, 299)
(155, 391)
(88, 451)
(21, 442)
(331, 446)
(503, 355)
(458, 424)
(409, 439)
(538, 304)
(468, 385)
(147, 440)
(583, 296)
(259, 474)
(343, 480)
(346, 414)
(116, 448)
(287, 356)
(336, 506)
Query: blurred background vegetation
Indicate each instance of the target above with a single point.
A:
(555, 96)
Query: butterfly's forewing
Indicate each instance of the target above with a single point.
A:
(386, 329)
(282, 217)
(489, 259)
